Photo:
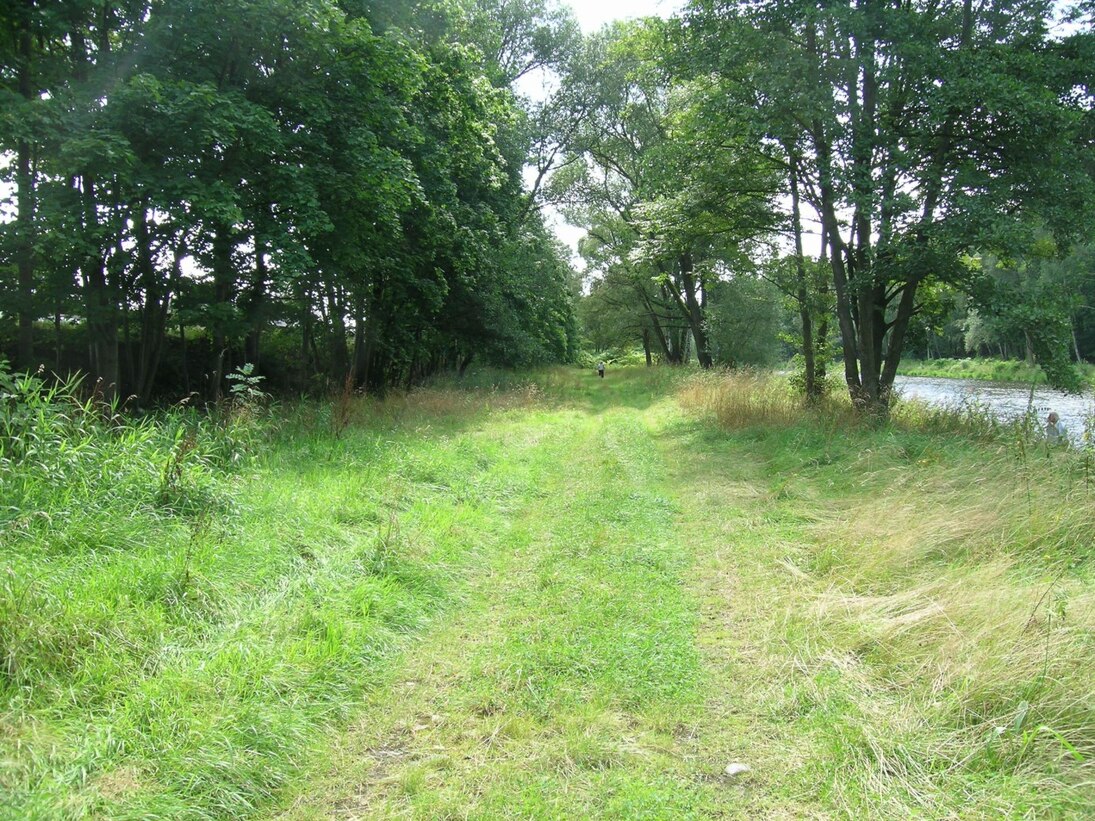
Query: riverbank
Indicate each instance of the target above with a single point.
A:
(989, 370)
(554, 596)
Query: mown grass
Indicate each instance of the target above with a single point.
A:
(562, 688)
(993, 370)
(929, 604)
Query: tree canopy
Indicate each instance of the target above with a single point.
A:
(354, 189)
(344, 174)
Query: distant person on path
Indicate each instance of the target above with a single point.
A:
(601, 369)
(1055, 429)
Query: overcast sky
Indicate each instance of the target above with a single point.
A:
(592, 15)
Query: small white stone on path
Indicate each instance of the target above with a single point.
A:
(736, 769)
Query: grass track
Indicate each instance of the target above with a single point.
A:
(568, 685)
(657, 611)
(610, 660)
(578, 600)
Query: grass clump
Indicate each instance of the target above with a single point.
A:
(63, 456)
(739, 399)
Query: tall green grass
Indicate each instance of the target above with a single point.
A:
(190, 601)
(939, 602)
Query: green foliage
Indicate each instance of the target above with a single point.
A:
(993, 370)
(919, 135)
(745, 320)
(64, 460)
(246, 385)
(225, 182)
(1030, 299)
(672, 200)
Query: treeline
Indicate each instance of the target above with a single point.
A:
(871, 165)
(954, 326)
(193, 180)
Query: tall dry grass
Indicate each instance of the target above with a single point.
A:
(966, 586)
(942, 592)
(745, 399)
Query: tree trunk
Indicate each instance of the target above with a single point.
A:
(336, 334)
(694, 310)
(25, 229)
(223, 280)
(360, 367)
(256, 303)
(58, 346)
(25, 256)
(664, 341)
(306, 321)
(101, 304)
(821, 338)
(686, 295)
(830, 225)
(102, 326)
(810, 386)
(646, 347)
(155, 307)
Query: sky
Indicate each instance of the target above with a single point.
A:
(592, 15)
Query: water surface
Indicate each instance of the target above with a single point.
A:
(1006, 400)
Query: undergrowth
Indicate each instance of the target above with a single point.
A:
(994, 370)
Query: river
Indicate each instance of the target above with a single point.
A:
(1006, 400)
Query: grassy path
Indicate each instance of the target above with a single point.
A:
(665, 599)
(573, 599)
(569, 683)
(610, 657)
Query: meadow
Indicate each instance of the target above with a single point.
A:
(541, 596)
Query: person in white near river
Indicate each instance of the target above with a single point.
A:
(1055, 429)
(601, 369)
